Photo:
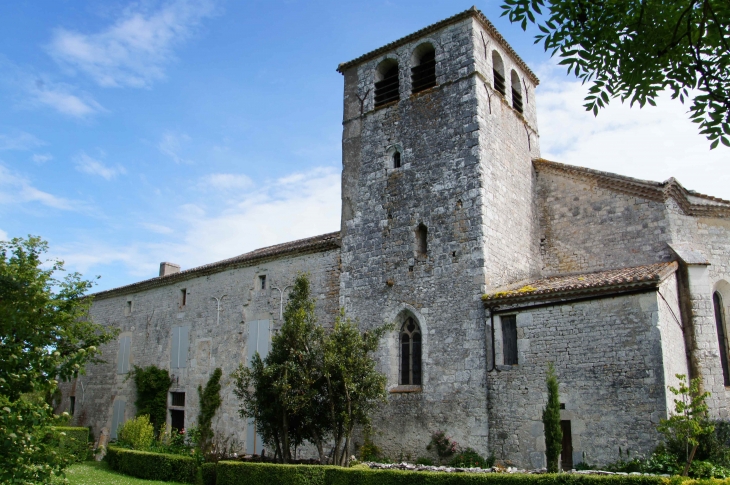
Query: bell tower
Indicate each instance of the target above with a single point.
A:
(439, 133)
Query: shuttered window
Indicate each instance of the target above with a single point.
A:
(125, 346)
(117, 417)
(509, 339)
(180, 344)
(258, 341)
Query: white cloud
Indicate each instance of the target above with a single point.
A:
(16, 189)
(653, 143)
(135, 49)
(60, 98)
(157, 228)
(92, 166)
(4, 236)
(234, 223)
(42, 157)
(172, 144)
(226, 181)
(19, 141)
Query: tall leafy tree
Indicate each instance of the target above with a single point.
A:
(633, 49)
(45, 334)
(551, 421)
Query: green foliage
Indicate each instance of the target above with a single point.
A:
(689, 422)
(312, 385)
(207, 472)
(424, 461)
(73, 442)
(153, 466)
(152, 385)
(239, 473)
(137, 433)
(369, 451)
(551, 421)
(443, 445)
(210, 401)
(45, 334)
(469, 458)
(633, 49)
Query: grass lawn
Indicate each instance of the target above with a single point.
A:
(93, 473)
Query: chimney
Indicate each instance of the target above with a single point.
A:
(168, 269)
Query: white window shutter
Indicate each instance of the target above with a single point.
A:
(175, 351)
(127, 352)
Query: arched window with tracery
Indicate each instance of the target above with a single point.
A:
(721, 337)
(410, 344)
(387, 86)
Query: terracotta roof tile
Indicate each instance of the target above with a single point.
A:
(598, 282)
(325, 242)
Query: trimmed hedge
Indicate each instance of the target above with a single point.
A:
(74, 442)
(207, 473)
(237, 473)
(152, 466)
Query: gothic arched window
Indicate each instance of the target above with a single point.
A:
(721, 337)
(410, 353)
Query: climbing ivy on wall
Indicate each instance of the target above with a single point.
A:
(152, 385)
(210, 401)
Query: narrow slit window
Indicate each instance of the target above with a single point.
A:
(262, 282)
(410, 339)
(423, 72)
(183, 297)
(516, 92)
(72, 405)
(498, 73)
(422, 240)
(509, 339)
(128, 308)
(387, 86)
(396, 160)
(721, 336)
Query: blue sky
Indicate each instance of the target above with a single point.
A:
(138, 132)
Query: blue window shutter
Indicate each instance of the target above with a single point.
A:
(123, 355)
(184, 345)
(175, 350)
(117, 417)
(252, 341)
(127, 352)
(263, 338)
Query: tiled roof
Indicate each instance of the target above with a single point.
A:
(586, 284)
(691, 202)
(472, 12)
(315, 244)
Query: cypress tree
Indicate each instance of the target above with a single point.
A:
(551, 421)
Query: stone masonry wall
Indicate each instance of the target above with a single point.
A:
(608, 359)
(585, 227)
(211, 344)
(384, 279)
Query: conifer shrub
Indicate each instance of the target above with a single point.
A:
(551, 422)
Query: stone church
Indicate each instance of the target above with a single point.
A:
(491, 261)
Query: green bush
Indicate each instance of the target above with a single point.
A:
(424, 461)
(469, 458)
(153, 466)
(137, 433)
(238, 473)
(72, 442)
(207, 471)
